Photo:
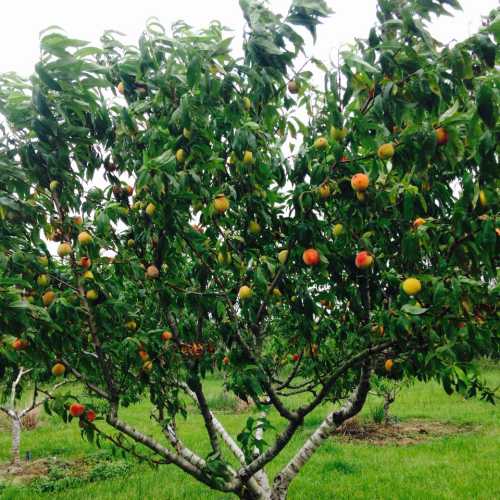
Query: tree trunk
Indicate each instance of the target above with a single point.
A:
(280, 492)
(248, 494)
(388, 400)
(16, 441)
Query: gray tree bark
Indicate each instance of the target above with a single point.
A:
(15, 454)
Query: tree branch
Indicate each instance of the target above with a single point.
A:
(128, 449)
(20, 375)
(260, 476)
(196, 387)
(181, 462)
(282, 410)
(327, 387)
(103, 362)
(94, 388)
(281, 441)
(329, 424)
(49, 395)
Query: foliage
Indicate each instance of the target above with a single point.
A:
(187, 195)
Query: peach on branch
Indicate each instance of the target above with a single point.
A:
(419, 221)
(43, 260)
(311, 257)
(150, 209)
(90, 416)
(324, 191)
(92, 295)
(42, 280)
(180, 155)
(76, 410)
(131, 325)
(411, 286)
(386, 151)
(58, 369)
(19, 344)
(166, 335)
(254, 227)
(338, 134)
(441, 136)
(360, 182)
(84, 238)
(337, 230)
(64, 249)
(293, 87)
(364, 260)
(320, 143)
(245, 292)
(221, 203)
(48, 298)
(152, 272)
(85, 262)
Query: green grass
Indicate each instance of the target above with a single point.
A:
(463, 466)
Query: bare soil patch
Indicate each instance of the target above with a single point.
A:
(401, 433)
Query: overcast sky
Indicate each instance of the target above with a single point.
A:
(22, 20)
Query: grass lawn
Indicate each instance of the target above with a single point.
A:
(464, 465)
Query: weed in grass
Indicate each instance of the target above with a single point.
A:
(63, 476)
(341, 467)
(109, 470)
(377, 414)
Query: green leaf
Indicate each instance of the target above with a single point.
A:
(313, 7)
(486, 102)
(46, 77)
(485, 49)
(194, 71)
(355, 60)
(373, 39)
(56, 43)
(494, 28)
(449, 113)
(414, 310)
(308, 13)
(222, 47)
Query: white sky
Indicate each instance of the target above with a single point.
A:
(22, 20)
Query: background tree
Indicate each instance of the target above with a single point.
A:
(10, 407)
(19, 321)
(387, 386)
(187, 240)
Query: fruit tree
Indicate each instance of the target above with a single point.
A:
(20, 318)
(207, 212)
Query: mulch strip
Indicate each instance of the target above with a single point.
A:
(401, 433)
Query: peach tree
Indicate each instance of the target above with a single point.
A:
(21, 318)
(176, 211)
